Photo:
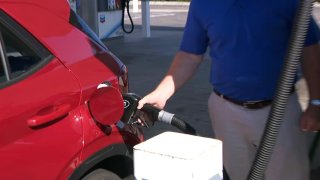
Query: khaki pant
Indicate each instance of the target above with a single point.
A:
(240, 130)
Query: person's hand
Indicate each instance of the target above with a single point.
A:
(310, 119)
(155, 99)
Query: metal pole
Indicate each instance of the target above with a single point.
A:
(145, 13)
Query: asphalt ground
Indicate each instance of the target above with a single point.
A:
(148, 59)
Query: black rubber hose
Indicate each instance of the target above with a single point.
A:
(156, 114)
(284, 87)
(183, 126)
(124, 6)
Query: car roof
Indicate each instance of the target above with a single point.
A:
(58, 7)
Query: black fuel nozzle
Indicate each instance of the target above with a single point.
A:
(155, 114)
(149, 114)
(132, 115)
(130, 103)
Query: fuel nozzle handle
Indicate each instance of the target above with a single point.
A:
(150, 114)
(169, 118)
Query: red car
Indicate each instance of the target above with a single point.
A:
(61, 97)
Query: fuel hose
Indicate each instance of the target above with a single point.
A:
(125, 5)
(168, 118)
(284, 86)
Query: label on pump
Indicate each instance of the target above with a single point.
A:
(109, 24)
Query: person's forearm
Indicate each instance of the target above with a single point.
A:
(180, 71)
(311, 69)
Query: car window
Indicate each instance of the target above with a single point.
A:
(2, 75)
(19, 56)
(20, 52)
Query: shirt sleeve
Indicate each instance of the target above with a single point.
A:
(313, 36)
(194, 39)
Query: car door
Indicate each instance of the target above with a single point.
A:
(40, 122)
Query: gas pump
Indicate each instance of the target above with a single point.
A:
(109, 18)
(104, 17)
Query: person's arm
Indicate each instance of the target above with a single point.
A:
(181, 70)
(310, 120)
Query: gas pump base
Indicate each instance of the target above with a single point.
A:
(174, 156)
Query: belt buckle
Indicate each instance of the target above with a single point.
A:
(249, 104)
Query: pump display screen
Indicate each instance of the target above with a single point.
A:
(109, 5)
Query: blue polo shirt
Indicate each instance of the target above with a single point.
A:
(247, 41)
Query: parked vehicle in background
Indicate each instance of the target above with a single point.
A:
(60, 97)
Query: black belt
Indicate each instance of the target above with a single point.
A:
(246, 104)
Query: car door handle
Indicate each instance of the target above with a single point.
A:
(55, 113)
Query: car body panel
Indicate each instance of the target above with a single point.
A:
(66, 43)
(54, 144)
(33, 146)
(59, 8)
